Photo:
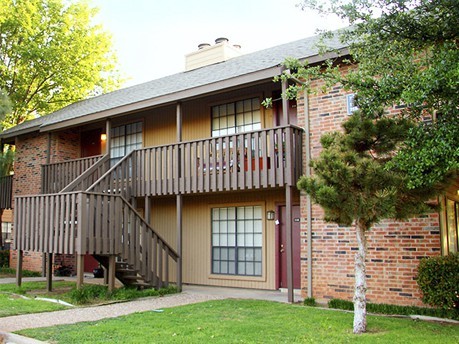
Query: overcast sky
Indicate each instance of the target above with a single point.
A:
(152, 37)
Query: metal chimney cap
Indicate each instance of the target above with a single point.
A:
(203, 45)
(221, 40)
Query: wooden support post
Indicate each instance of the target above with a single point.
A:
(289, 248)
(49, 272)
(179, 241)
(105, 275)
(80, 270)
(111, 272)
(19, 268)
(179, 199)
(285, 101)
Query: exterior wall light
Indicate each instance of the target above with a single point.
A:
(103, 137)
(270, 215)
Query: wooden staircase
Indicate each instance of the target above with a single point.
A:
(98, 220)
(125, 273)
(143, 260)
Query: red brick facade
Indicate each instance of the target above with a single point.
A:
(31, 153)
(394, 248)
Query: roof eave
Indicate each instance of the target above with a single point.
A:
(167, 99)
(12, 135)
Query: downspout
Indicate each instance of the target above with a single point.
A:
(308, 197)
(307, 130)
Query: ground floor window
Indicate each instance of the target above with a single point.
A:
(237, 241)
(450, 226)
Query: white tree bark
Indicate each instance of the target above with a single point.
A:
(360, 301)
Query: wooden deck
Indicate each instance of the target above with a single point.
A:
(55, 177)
(88, 208)
(262, 159)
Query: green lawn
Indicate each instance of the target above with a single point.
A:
(11, 302)
(246, 321)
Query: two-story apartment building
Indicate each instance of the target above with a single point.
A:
(189, 179)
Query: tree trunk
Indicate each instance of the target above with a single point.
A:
(360, 301)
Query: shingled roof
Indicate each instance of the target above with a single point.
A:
(239, 70)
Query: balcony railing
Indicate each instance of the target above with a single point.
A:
(57, 176)
(6, 192)
(260, 159)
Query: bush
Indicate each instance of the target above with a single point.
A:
(4, 258)
(25, 273)
(438, 280)
(90, 293)
(382, 308)
(310, 301)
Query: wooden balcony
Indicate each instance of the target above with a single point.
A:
(57, 176)
(267, 158)
(6, 192)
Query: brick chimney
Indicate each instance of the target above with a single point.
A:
(209, 54)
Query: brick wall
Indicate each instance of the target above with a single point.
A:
(31, 153)
(394, 248)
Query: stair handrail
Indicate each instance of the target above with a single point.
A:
(110, 170)
(71, 187)
(175, 254)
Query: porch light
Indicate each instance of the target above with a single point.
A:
(103, 137)
(270, 215)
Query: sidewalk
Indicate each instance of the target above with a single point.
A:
(74, 315)
(190, 295)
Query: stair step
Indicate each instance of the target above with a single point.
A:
(125, 271)
(141, 285)
(132, 277)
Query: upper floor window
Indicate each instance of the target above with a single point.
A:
(125, 139)
(237, 117)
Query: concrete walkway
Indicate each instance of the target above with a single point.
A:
(190, 294)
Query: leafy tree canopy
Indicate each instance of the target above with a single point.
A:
(51, 55)
(406, 55)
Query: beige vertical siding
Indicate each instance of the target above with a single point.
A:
(197, 236)
(160, 123)
(160, 126)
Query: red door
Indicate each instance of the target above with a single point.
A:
(282, 244)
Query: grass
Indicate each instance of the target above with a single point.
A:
(10, 272)
(11, 302)
(246, 321)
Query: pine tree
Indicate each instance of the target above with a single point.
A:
(356, 186)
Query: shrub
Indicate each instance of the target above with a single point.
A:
(25, 273)
(381, 308)
(91, 293)
(4, 258)
(341, 304)
(310, 301)
(438, 280)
